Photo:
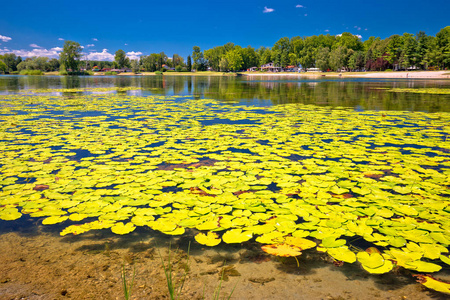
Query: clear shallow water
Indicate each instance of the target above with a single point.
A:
(260, 274)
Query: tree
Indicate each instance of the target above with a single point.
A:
(234, 59)
(70, 56)
(189, 63)
(199, 61)
(223, 65)
(121, 59)
(3, 67)
(443, 42)
(135, 66)
(11, 61)
(322, 59)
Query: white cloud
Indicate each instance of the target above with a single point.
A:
(60, 39)
(90, 45)
(134, 55)
(357, 27)
(104, 55)
(5, 38)
(52, 53)
(82, 47)
(306, 15)
(299, 6)
(326, 30)
(268, 10)
(94, 39)
(58, 49)
(35, 46)
(127, 44)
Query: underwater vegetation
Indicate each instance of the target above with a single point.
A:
(292, 177)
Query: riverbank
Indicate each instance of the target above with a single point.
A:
(387, 75)
(391, 75)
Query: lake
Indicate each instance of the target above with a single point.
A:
(265, 188)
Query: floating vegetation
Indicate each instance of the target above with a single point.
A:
(436, 91)
(292, 177)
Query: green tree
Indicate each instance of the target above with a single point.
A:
(189, 63)
(199, 60)
(223, 65)
(121, 59)
(443, 43)
(70, 56)
(135, 66)
(234, 59)
(3, 67)
(322, 59)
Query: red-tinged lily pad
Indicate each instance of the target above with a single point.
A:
(433, 283)
(282, 250)
(41, 187)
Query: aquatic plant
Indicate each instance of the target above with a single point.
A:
(329, 176)
(127, 287)
(174, 292)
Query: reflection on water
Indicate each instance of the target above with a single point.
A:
(366, 94)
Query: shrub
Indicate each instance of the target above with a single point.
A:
(184, 69)
(170, 71)
(158, 73)
(31, 72)
(178, 68)
(110, 73)
(388, 70)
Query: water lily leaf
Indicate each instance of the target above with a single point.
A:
(331, 242)
(445, 259)
(120, 228)
(422, 266)
(9, 214)
(236, 236)
(282, 250)
(433, 283)
(210, 239)
(54, 220)
(299, 242)
(342, 254)
(370, 260)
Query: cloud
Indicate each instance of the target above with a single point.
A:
(126, 44)
(299, 6)
(134, 55)
(104, 55)
(268, 10)
(306, 15)
(326, 30)
(90, 45)
(94, 39)
(5, 38)
(52, 53)
(58, 49)
(35, 46)
(60, 39)
(357, 27)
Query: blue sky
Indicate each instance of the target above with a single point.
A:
(141, 27)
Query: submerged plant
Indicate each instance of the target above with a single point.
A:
(127, 287)
(174, 290)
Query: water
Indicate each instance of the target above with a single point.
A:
(366, 94)
(39, 264)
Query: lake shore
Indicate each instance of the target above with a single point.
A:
(391, 75)
(381, 75)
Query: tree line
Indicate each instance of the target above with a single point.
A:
(325, 52)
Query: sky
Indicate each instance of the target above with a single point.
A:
(141, 27)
